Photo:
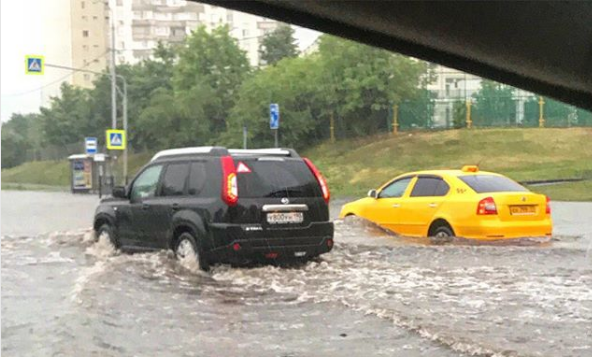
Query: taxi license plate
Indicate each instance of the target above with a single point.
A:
(285, 217)
(523, 210)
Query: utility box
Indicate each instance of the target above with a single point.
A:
(91, 173)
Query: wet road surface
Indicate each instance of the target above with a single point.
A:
(375, 294)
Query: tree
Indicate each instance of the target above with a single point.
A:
(361, 83)
(494, 104)
(69, 117)
(459, 114)
(214, 60)
(278, 44)
(292, 84)
(21, 137)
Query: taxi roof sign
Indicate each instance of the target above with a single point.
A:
(34, 64)
(116, 139)
(470, 168)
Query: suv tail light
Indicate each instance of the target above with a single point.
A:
(486, 206)
(229, 181)
(548, 209)
(322, 182)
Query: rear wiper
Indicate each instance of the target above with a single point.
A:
(284, 193)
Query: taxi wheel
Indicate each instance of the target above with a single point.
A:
(441, 234)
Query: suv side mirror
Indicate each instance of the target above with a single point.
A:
(119, 192)
(373, 194)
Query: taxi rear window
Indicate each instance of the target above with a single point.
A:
(491, 183)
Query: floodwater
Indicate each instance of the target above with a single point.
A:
(373, 295)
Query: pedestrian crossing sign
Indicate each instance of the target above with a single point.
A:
(34, 64)
(116, 139)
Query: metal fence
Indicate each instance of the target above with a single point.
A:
(486, 112)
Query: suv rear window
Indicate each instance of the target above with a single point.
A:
(276, 178)
(491, 183)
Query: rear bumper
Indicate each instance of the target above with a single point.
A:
(496, 230)
(238, 246)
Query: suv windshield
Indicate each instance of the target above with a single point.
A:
(276, 178)
(491, 183)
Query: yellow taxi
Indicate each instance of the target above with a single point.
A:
(465, 203)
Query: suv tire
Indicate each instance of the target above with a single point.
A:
(185, 245)
(107, 231)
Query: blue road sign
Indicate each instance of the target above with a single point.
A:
(90, 146)
(274, 116)
(34, 64)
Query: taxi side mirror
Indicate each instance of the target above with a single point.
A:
(373, 194)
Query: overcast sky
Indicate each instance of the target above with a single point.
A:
(28, 27)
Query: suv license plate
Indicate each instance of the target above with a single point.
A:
(285, 217)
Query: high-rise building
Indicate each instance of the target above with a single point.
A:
(89, 39)
(140, 24)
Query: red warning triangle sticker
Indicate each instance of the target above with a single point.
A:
(242, 168)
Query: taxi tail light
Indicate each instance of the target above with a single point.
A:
(229, 181)
(487, 206)
(548, 209)
(321, 180)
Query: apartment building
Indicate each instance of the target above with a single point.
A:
(89, 39)
(141, 24)
(450, 85)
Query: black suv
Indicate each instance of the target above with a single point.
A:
(223, 206)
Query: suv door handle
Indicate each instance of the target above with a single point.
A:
(145, 206)
(433, 205)
(175, 206)
(396, 205)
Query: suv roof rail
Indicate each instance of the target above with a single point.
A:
(222, 151)
(269, 152)
(204, 150)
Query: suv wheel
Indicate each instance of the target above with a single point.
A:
(187, 248)
(106, 232)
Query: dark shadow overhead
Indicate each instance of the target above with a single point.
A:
(543, 47)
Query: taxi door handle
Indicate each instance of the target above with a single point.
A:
(433, 205)
(396, 205)
(175, 206)
(145, 206)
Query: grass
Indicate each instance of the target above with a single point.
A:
(571, 191)
(355, 165)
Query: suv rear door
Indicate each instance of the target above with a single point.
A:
(268, 187)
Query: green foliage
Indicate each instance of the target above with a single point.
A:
(494, 105)
(20, 135)
(292, 84)
(214, 60)
(278, 44)
(361, 83)
(459, 114)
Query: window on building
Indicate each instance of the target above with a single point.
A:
(82, 5)
(85, 47)
(86, 77)
(245, 33)
(84, 33)
(84, 18)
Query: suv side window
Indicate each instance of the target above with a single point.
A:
(430, 187)
(197, 178)
(395, 189)
(145, 185)
(173, 181)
